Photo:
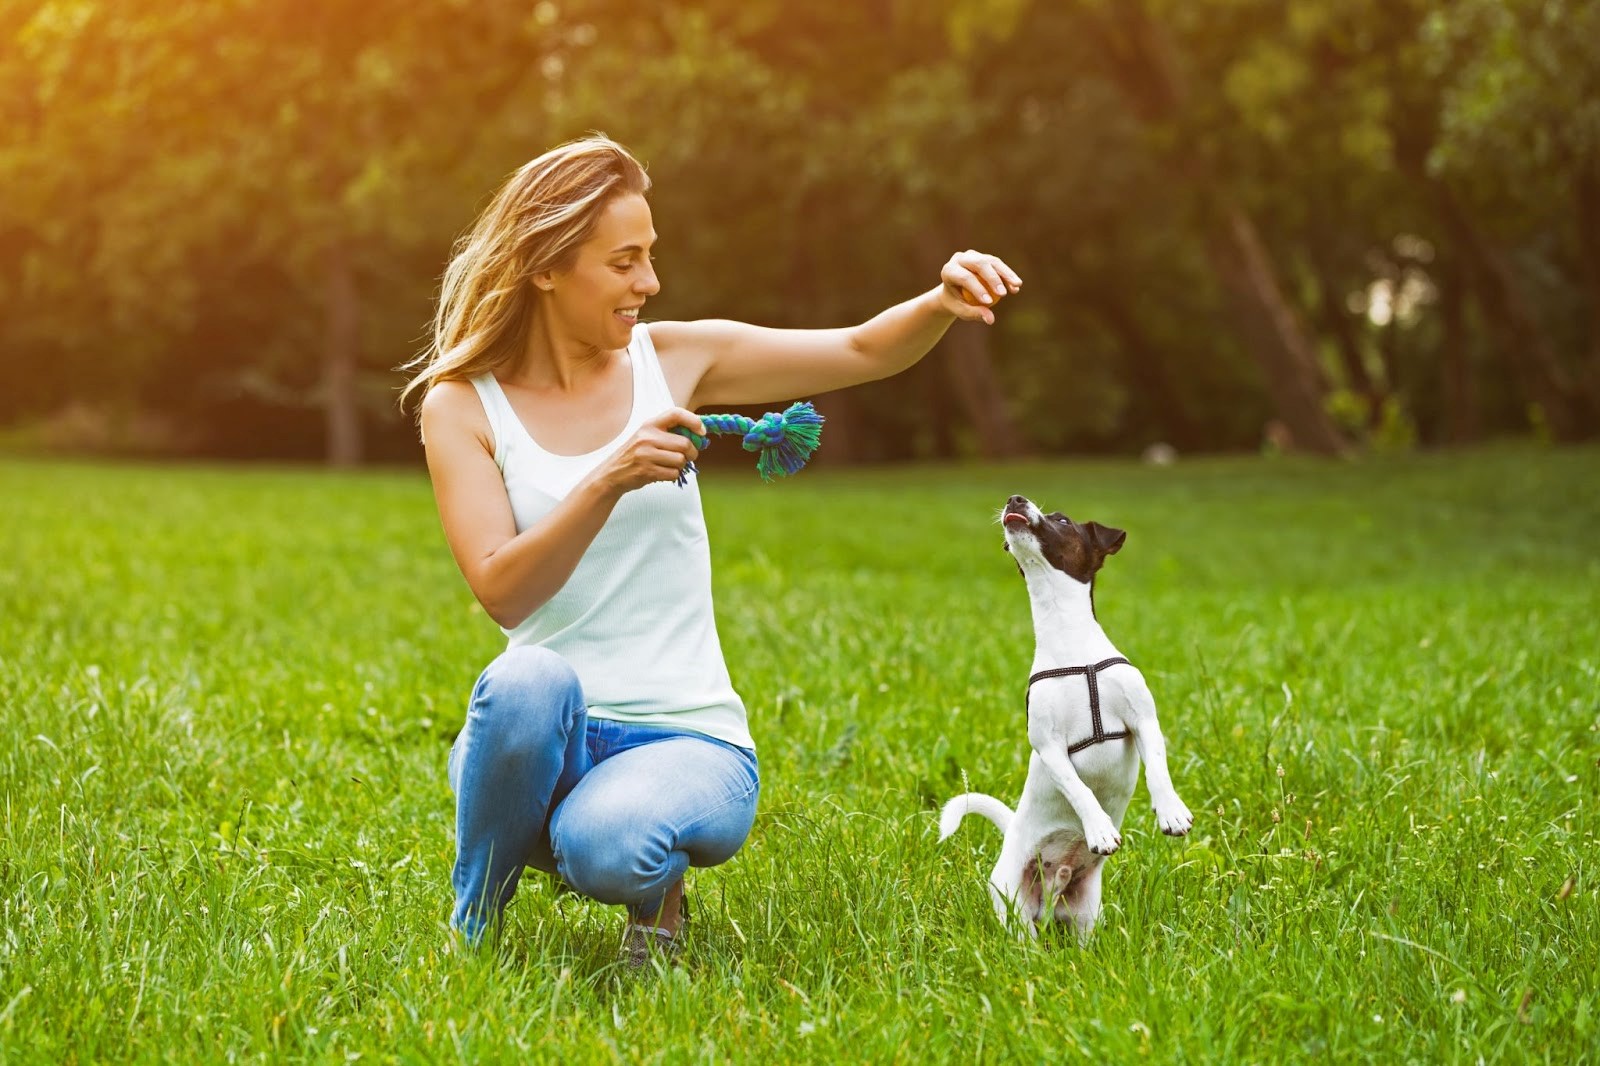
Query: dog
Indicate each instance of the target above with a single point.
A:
(1091, 719)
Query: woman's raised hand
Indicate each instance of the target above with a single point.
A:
(975, 282)
(654, 453)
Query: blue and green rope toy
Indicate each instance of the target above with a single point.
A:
(784, 441)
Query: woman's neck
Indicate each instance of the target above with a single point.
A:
(552, 361)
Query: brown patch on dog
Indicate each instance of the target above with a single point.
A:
(1030, 892)
(1078, 550)
(1047, 882)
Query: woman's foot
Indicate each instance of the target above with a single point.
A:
(661, 933)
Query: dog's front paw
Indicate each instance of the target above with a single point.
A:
(1102, 837)
(1174, 818)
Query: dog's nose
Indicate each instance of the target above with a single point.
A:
(1016, 501)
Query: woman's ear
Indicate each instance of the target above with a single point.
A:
(543, 280)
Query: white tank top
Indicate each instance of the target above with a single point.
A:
(635, 618)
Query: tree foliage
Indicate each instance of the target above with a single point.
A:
(1366, 221)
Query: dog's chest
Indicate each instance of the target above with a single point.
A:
(1076, 715)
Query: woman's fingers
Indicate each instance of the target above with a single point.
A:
(673, 417)
(1000, 277)
(993, 285)
(980, 281)
(967, 286)
(996, 278)
(672, 450)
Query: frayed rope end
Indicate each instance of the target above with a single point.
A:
(783, 442)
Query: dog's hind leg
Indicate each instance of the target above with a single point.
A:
(1011, 905)
(1171, 814)
(1082, 901)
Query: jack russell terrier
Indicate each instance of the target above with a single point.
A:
(1091, 719)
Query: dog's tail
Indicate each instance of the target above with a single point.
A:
(972, 803)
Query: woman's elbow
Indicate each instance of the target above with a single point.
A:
(506, 612)
(503, 618)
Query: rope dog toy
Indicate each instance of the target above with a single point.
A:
(785, 441)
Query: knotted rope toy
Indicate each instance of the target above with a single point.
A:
(784, 441)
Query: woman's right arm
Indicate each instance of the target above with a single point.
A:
(513, 574)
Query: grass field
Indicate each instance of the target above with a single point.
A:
(226, 697)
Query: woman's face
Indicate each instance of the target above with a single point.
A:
(598, 300)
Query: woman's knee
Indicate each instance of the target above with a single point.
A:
(610, 865)
(618, 856)
(529, 667)
(525, 692)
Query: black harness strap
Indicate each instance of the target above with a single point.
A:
(1088, 673)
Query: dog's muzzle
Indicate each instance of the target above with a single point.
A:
(1017, 512)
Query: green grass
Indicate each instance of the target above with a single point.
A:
(225, 832)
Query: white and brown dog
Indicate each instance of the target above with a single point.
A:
(1091, 719)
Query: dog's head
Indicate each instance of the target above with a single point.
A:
(1076, 549)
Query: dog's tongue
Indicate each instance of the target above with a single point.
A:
(1015, 516)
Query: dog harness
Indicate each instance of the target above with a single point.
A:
(1088, 673)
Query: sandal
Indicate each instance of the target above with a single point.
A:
(639, 942)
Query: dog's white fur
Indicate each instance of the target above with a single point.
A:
(1067, 820)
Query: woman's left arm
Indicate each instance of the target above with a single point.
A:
(734, 363)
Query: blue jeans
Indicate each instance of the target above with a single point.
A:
(617, 811)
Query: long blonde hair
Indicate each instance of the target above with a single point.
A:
(534, 223)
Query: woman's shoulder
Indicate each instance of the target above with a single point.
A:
(451, 397)
(666, 337)
(453, 408)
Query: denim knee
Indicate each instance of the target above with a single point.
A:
(610, 863)
(525, 690)
(523, 698)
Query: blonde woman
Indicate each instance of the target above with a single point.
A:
(606, 745)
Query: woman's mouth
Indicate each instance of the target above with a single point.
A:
(628, 315)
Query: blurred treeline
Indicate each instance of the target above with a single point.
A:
(1344, 223)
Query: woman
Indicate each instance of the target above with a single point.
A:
(606, 745)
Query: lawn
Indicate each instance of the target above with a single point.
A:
(226, 697)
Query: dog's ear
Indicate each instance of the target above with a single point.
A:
(1106, 539)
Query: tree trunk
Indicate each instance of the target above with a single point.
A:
(969, 368)
(970, 371)
(841, 429)
(1146, 372)
(1334, 318)
(847, 433)
(1389, 353)
(1587, 194)
(1460, 386)
(1271, 330)
(1139, 58)
(1519, 338)
(341, 353)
